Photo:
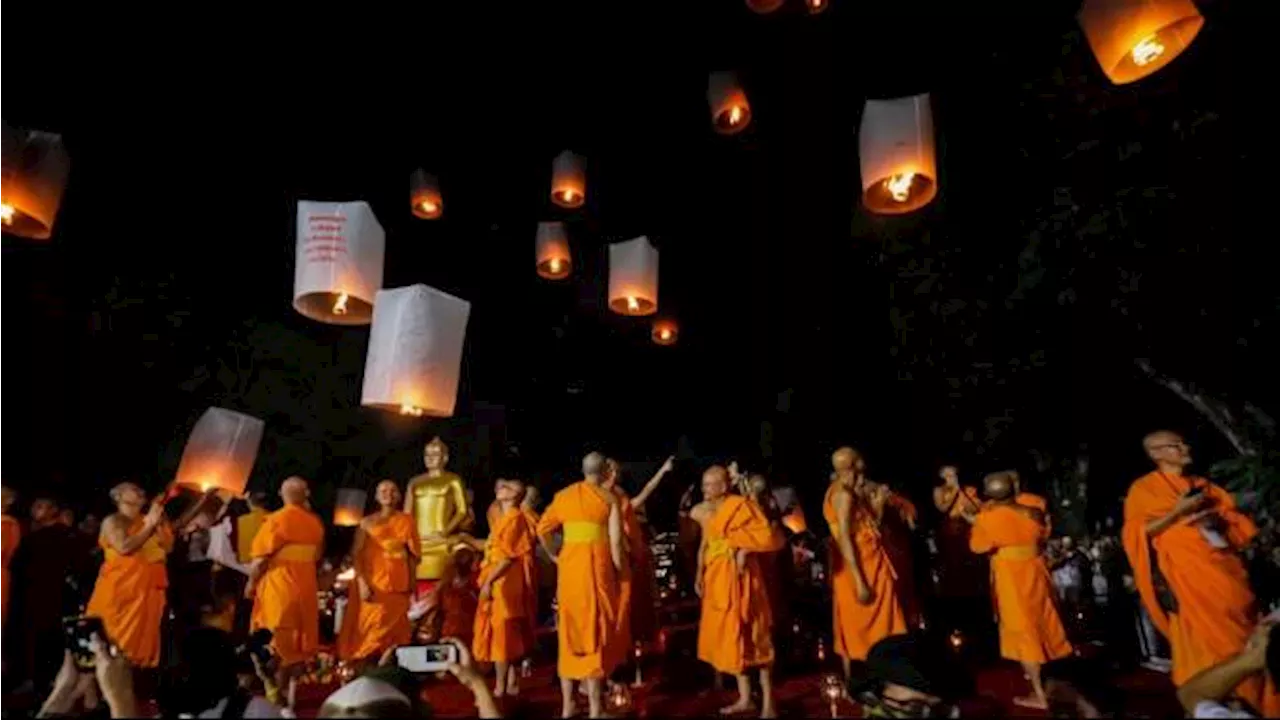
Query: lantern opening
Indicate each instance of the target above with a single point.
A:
(6, 213)
(664, 332)
(338, 308)
(1133, 40)
(554, 269)
(429, 207)
(900, 193)
(899, 186)
(732, 120)
(1147, 49)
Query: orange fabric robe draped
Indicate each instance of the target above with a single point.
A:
(586, 583)
(735, 631)
(285, 600)
(899, 516)
(1039, 503)
(1030, 628)
(856, 626)
(502, 622)
(12, 535)
(636, 619)
(1216, 608)
(129, 595)
(531, 598)
(370, 628)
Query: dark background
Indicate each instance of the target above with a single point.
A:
(1079, 226)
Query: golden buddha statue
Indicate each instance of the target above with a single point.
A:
(438, 503)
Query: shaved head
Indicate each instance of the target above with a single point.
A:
(1000, 486)
(1158, 438)
(715, 482)
(843, 458)
(592, 464)
(1167, 450)
(294, 491)
(124, 490)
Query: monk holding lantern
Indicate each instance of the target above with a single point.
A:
(437, 500)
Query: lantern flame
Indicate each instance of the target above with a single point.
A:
(632, 303)
(429, 207)
(899, 186)
(735, 115)
(555, 265)
(340, 305)
(956, 639)
(205, 484)
(567, 195)
(1146, 51)
(6, 213)
(411, 410)
(664, 333)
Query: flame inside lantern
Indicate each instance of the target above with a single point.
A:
(555, 265)
(956, 639)
(411, 410)
(568, 195)
(664, 333)
(899, 186)
(1146, 50)
(632, 303)
(735, 115)
(340, 305)
(6, 213)
(429, 207)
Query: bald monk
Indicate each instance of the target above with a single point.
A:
(11, 536)
(735, 629)
(865, 598)
(588, 565)
(282, 581)
(503, 621)
(129, 595)
(1183, 534)
(1030, 630)
(385, 552)
(956, 504)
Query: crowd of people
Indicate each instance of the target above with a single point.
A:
(216, 612)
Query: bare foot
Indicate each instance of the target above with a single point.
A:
(1031, 701)
(498, 692)
(513, 690)
(769, 711)
(568, 710)
(742, 706)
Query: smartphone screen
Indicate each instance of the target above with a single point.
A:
(426, 658)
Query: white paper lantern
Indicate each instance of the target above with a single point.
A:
(415, 351)
(339, 262)
(730, 111)
(220, 451)
(33, 175)
(633, 277)
(348, 511)
(1134, 38)
(896, 155)
(424, 195)
(569, 180)
(551, 251)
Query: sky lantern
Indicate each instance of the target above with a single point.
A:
(415, 351)
(896, 155)
(348, 511)
(816, 6)
(569, 180)
(665, 332)
(33, 174)
(730, 112)
(339, 262)
(220, 452)
(764, 6)
(424, 195)
(633, 277)
(1134, 38)
(551, 249)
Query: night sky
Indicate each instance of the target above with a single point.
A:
(1080, 225)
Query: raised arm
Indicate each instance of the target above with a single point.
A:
(615, 536)
(637, 502)
(844, 541)
(115, 530)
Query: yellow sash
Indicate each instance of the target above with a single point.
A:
(717, 547)
(152, 551)
(296, 553)
(583, 532)
(394, 549)
(1018, 552)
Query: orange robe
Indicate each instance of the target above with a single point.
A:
(899, 517)
(586, 583)
(459, 602)
(12, 535)
(129, 595)
(1030, 629)
(856, 626)
(371, 628)
(735, 631)
(502, 622)
(1039, 503)
(531, 598)
(635, 583)
(1216, 610)
(285, 600)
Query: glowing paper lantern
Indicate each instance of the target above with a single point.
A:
(415, 351)
(33, 174)
(816, 6)
(665, 332)
(764, 6)
(896, 155)
(220, 451)
(1134, 38)
(633, 277)
(568, 180)
(349, 509)
(339, 262)
(551, 250)
(424, 195)
(730, 112)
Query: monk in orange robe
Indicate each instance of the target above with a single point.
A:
(636, 619)
(529, 505)
(1032, 500)
(506, 580)
(956, 504)
(282, 581)
(1182, 535)
(1030, 630)
(129, 595)
(11, 536)
(865, 596)
(589, 562)
(736, 627)
(385, 550)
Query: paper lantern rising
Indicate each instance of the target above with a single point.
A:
(348, 511)
(415, 351)
(1134, 38)
(730, 112)
(220, 451)
(633, 277)
(339, 262)
(896, 155)
(33, 174)
(665, 332)
(551, 251)
(764, 6)
(424, 195)
(568, 180)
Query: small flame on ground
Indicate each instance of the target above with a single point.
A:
(1146, 50)
(412, 410)
(6, 213)
(899, 186)
(633, 304)
(340, 305)
(429, 207)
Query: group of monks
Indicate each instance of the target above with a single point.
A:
(1181, 534)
